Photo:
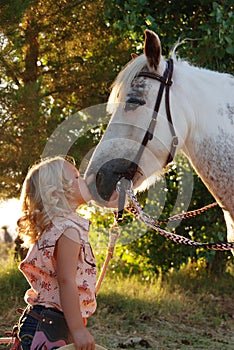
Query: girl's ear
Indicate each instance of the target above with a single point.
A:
(152, 49)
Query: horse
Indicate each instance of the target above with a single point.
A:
(159, 107)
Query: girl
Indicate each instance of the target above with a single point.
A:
(60, 265)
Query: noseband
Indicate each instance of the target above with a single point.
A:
(165, 83)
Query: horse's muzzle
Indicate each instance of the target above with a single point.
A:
(108, 176)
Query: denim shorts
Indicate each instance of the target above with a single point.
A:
(28, 326)
(45, 329)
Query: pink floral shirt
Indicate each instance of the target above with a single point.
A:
(39, 267)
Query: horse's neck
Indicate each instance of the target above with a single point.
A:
(206, 99)
(213, 161)
(210, 141)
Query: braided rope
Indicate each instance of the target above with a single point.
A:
(114, 234)
(137, 211)
(176, 217)
(189, 214)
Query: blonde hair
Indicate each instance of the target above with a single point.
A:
(45, 193)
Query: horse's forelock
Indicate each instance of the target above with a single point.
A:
(123, 81)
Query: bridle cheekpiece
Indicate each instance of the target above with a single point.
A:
(165, 83)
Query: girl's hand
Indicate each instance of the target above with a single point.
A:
(83, 339)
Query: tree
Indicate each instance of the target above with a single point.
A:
(55, 59)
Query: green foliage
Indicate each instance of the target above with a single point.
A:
(207, 26)
(218, 35)
(12, 283)
(55, 58)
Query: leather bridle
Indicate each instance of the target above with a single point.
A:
(165, 83)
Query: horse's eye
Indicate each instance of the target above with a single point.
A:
(133, 102)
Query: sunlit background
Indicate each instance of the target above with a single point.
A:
(9, 214)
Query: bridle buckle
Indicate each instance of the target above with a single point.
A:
(175, 141)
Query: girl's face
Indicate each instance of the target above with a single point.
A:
(80, 189)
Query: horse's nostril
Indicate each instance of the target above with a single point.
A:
(111, 172)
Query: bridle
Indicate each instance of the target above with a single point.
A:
(165, 83)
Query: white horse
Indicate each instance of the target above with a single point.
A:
(201, 105)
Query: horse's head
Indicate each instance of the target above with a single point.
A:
(139, 137)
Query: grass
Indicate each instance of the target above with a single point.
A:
(184, 310)
(181, 312)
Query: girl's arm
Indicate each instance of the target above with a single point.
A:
(67, 255)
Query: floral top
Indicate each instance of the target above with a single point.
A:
(39, 267)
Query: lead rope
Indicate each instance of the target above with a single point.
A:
(187, 215)
(124, 187)
(151, 222)
(114, 233)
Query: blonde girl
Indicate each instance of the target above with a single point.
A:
(60, 266)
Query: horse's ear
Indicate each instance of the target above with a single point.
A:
(134, 55)
(152, 49)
